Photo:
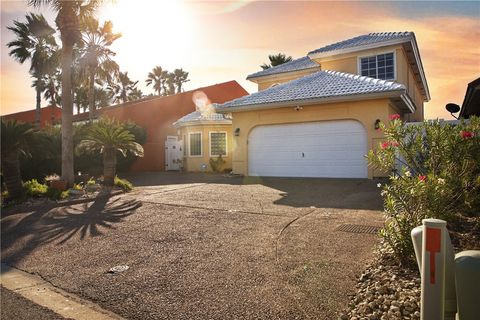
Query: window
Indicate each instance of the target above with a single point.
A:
(195, 143)
(379, 67)
(218, 143)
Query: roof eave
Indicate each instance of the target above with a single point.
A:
(177, 125)
(314, 101)
(275, 75)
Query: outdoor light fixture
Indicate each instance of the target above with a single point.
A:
(237, 132)
(298, 108)
(452, 108)
(377, 124)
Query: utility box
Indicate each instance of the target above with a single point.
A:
(467, 278)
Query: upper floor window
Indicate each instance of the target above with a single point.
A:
(380, 66)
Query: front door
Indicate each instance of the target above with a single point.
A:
(173, 154)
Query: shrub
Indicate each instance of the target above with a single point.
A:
(35, 189)
(124, 184)
(217, 164)
(435, 173)
(55, 194)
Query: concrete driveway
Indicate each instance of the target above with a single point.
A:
(204, 246)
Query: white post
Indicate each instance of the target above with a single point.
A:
(433, 269)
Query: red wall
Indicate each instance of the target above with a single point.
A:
(157, 116)
(45, 116)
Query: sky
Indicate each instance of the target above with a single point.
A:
(218, 41)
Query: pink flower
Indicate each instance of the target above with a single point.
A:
(385, 145)
(394, 144)
(395, 116)
(422, 178)
(388, 144)
(466, 134)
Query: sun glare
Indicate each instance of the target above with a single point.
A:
(161, 30)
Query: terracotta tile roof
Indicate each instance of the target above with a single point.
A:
(294, 65)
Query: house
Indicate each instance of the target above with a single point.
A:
(318, 116)
(48, 116)
(156, 115)
(471, 102)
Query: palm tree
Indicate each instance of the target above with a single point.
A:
(97, 56)
(67, 21)
(179, 78)
(275, 60)
(123, 88)
(17, 138)
(135, 94)
(155, 78)
(35, 42)
(107, 137)
(170, 83)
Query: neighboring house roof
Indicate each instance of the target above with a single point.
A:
(294, 65)
(319, 87)
(471, 103)
(48, 115)
(217, 93)
(364, 40)
(198, 117)
(376, 40)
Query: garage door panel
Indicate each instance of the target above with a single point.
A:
(317, 149)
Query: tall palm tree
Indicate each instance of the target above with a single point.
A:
(97, 56)
(108, 136)
(135, 94)
(17, 138)
(155, 78)
(67, 21)
(170, 83)
(179, 78)
(122, 89)
(35, 41)
(276, 60)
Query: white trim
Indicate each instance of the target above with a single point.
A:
(201, 144)
(210, 143)
(201, 122)
(359, 64)
(306, 102)
(408, 101)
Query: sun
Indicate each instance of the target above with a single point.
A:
(156, 30)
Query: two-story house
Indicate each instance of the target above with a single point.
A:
(318, 116)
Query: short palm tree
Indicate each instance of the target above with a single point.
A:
(35, 41)
(97, 56)
(276, 60)
(179, 78)
(17, 138)
(155, 78)
(107, 137)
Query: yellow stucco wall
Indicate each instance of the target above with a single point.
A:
(366, 112)
(267, 82)
(404, 74)
(194, 163)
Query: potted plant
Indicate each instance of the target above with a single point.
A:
(55, 182)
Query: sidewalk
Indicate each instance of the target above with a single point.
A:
(40, 293)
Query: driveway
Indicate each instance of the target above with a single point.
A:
(204, 246)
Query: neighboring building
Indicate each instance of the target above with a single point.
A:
(157, 114)
(206, 135)
(471, 103)
(317, 116)
(48, 115)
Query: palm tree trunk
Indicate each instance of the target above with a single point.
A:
(67, 114)
(38, 106)
(91, 96)
(11, 174)
(109, 165)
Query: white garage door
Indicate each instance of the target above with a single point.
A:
(333, 149)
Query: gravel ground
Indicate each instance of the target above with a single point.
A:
(204, 246)
(16, 307)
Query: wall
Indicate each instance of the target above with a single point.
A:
(157, 116)
(193, 164)
(404, 74)
(47, 114)
(364, 111)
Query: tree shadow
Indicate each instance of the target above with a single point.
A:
(21, 236)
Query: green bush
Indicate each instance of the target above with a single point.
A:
(35, 189)
(55, 194)
(217, 164)
(439, 176)
(124, 184)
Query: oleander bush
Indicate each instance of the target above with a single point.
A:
(434, 173)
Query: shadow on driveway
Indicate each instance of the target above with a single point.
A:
(21, 236)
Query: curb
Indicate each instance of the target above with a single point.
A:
(43, 293)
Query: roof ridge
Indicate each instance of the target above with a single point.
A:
(390, 33)
(385, 83)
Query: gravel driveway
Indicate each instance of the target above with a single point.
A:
(204, 246)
